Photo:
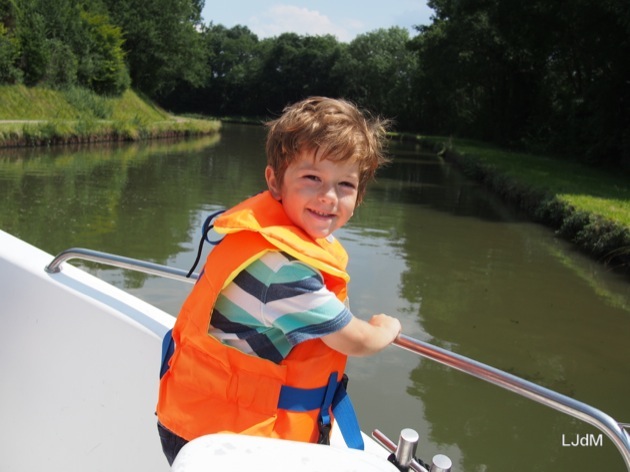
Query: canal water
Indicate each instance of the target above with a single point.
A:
(458, 267)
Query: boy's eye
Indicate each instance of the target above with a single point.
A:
(348, 184)
(312, 177)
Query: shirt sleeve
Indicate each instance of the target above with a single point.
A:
(298, 303)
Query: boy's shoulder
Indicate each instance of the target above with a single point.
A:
(280, 267)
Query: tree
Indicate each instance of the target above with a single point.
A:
(470, 77)
(378, 70)
(554, 76)
(588, 81)
(294, 67)
(63, 44)
(31, 33)
(9, 44)
(62, 66)
(162, 42)
(233, 61)
(104, 69)
(73, 43)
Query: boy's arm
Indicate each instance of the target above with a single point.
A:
(361, 338)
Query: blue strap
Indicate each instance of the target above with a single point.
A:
(324, 411)
(168, 347)
(301, 399)
(323, 398)
(347, 419)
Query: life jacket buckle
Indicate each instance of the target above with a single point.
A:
(324, 422)
(324, 432)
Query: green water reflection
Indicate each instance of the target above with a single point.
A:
(459, 268)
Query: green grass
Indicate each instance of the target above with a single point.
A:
(585, 188)
(40, 116)
(18, 102)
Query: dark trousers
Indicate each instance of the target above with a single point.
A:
(171, 443)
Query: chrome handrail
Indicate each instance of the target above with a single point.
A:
(612, 428)
(121, 262)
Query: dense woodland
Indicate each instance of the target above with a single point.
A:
(549, 76)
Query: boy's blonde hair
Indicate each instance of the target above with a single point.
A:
(335, 129)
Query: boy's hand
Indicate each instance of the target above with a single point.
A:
(362, 338)
(388, 323)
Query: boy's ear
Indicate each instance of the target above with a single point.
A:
(272, 183)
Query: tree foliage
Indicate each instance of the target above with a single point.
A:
(10, 71)
(102, 44)
(233, 63)
(537, 74)
(294, 66)
(104, 70)
(378, 71)
(162, 43)
(72, 43)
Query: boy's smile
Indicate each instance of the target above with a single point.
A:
(318, 195)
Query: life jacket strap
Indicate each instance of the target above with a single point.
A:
(168, 347)
(207, 226)
(331, 396)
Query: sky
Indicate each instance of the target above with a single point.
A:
(344, 19)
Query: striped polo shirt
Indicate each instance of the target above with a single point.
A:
(273, 304)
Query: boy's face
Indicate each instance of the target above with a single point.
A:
(317, 194)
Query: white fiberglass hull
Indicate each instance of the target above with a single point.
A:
(80, 363)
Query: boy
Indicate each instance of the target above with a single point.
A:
(262, 340)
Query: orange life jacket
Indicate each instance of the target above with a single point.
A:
(210, 387)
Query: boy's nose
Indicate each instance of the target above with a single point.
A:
(328, 193)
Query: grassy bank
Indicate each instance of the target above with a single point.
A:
(589, 207)
(31, 116)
